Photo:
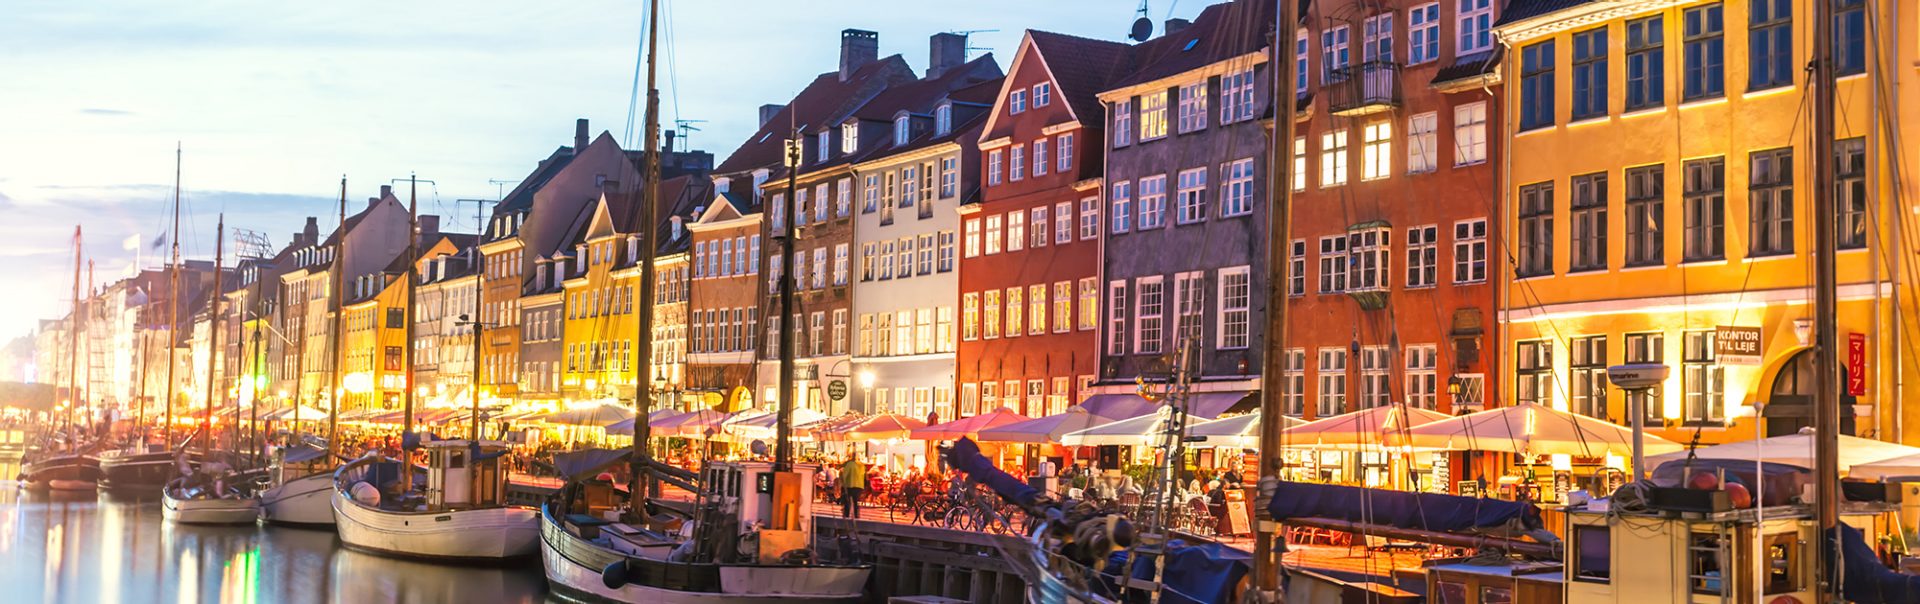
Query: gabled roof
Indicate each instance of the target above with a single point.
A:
(825, 100)
(1081, 68)
(970, 127)
(521, 198)
(1221, 32)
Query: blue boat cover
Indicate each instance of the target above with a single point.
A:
(579, 464)
(1866, 580)
(965, 456)
(1195, 574)
(303, 453)
(1421, 511)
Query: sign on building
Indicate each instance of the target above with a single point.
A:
(1857, 364)
(1734, 345)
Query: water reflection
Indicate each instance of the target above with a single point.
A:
(79, 547)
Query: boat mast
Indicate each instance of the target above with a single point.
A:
(213, 336)
(259, 356)
(1274, 355)
(648, 230)
(73, 344)
(173, 300)
(86, 304)
(338, 293)
(783, 441)
(140, 397)
(299, 362)
(1826, 420)
(473, 365)
(406, 412)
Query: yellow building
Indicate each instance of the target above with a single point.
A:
(373, 368)
(601, 277)
(1657, 190)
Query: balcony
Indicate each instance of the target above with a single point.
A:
(1364, 89)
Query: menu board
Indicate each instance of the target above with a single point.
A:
(1239, 519)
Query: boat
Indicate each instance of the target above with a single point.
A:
(62, 472)
(212, 495)
(743, 543)
(70, 467)
(137, 470)
(301, 491)
(454, 514)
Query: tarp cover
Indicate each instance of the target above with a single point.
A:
(579, 464)
(1866, 581)
(965, 456)
(1419, 511)
(1781, 485)
(1196, 574)
(303, 453)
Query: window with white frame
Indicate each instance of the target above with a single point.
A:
(820, 202)
(1017, 101)
(840, 331)
(993, 167)
(993, 235)
(990, 314)
(1236, 298)
(1016, 231)
(1062, 306)
(1334, 54)
(905, 260)
(902, 128)
(1294, 392)
(949, 177)
(1332, 398)
(850, 137)
(1423, 33)
(1042, 94)
(1089, 218)
(925, 251)
(1193, 107)
(843, 199)
(1476, 26)
(1236, 96)
(1122, 123)
(1702, 379)
(1470, 251)
(869, 260)
(1037, 309)
(943, 119)
(1236, 188)
(1117, 317)
(1369, 253)
(1040, 223)
(1423, 154)
(1016, 310)
(1376, 379)
(1064, 159)
(1297, 269)
(1376, 150)
(1533, 372)
(1333, 158)
(1189, 303)
(800, 208)
(1421, 379)
(840, 264)
(1190, 196)
(819, 267)
(1153, 116)
(1377, 38)
(1470, 133)
(1040, 157)
(1333, 264)
(1300, 40)
(870, 202)
(1149, 314)
(1422, 254)
(1153, 202)
(1300, 163)
(1017, 168)
(972, 246)
(1089, 304)
(946, 251)
(1063, 222)
(1122, 207)
(1587, 362)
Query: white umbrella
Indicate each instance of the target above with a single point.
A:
(1533, 429)
(1366, 429)
(1049, 429)
(1238, 431)
(1859, 457)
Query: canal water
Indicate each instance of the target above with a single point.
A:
(83, 547)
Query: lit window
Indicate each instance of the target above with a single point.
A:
(1333, 158)
(1153, 116)
(1376, 151)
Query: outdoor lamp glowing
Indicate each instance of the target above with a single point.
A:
(866, 378)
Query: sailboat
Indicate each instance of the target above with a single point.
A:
(459, 512)
(750, 537)
(301, 491)
(212, 493)
(64, 464)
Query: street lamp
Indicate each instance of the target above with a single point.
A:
(866, 378)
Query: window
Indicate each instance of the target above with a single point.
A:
(1536, 230)
(1333, 264)
(1422, 383)
(1533, 372)
(1153, 202)
(902, 128)
(1193, 107)
(943, 328)
(990, 314)
(946, 251)
(1589, 364)
(819, 267)
(1122, 202)
(1153, 116)
(1646, 215)
(1592, 545)
(1040, 157)
(1422, 144)
(1042, 94)
(1016, 230)
(840, 331)
(1333, 381)
(1063, 223)
(753, 259)
(993, 167)
(1423, 244)
(1190, 197)
(1037, 309)
(1703, 381)
(1770, 203)
(1470, 133)
(1122, 123)
(1062, 306)
(1236, 96)
(1040, 224)
(1850, 163)
(779, 213)
(1294, 391)
(1333, 158)
(1064, 152)
(1705, 193)
(1189, 304)
(949, 177)
(1117, 318)
(1590, 73)
(972, 248)
(1300, 163)
(823, 145)
(816, 341)
(1018, 168)
(1236, 188)
(1368, 259)
(1376, 381)
(942, 119)
(906, 257)
(993, 235)
(1646, 62)
(1017, 102)
(840, 264)
(1376, 151)
(1701, 36)
(1423, 33)
(1297, 269)
(1536, 85)
(871, 198)
(885, 336)
(1089, 304)
(1648, 348)
(1769, 44)
(1089, 218)
(1377, 39)
(1476, 26)
(1334, 56)
(969, 316)
(1150, 312)
(923, 340)
(820, 202)
(850, 137)
(1016, 309)
(1236, 298)
(1588, 213)
(1849, 37)
(1300, 62)
(869, 262)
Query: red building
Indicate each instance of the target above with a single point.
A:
(1030, 247)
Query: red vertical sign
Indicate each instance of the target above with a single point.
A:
(1857, 364)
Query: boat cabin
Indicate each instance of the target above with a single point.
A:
(293, 463)
(778, 503)
(465, 474)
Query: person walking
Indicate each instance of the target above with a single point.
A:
(853, 481)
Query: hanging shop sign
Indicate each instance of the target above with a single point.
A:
(1735, 345)
(1857, 364)
(837, 390)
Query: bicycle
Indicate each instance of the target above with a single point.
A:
(977, 512)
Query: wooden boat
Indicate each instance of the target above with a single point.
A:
(454, 514)
(301, 491)
(227, 500)
(135, 470)
(62, 472)
(590, 556)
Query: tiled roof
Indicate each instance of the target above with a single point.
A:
(521, 197)
(1222, 31)
(1469, 66)
(968, 127)
(1082, 67)
(1519, 10)
(826, 99)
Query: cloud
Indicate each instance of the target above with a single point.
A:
(104, 111)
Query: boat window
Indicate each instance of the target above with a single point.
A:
(1706, 557)
(1451, 592)
(456, 461)
(1594, 545)
(1496, 595)
(1783, 563)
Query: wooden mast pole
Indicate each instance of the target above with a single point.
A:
(1273, 368)
(338, 294)
(1826, 398)
(173, 301)
(213, 337)
(649, 248)
(413, 252)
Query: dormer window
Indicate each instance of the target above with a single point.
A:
(902, 129)
(824, 146)
(943, 119)
(1042, 94)
(1017, 102)
(849, 137)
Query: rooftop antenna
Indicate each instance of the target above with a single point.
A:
(967, 34)
(501, 185)
(251, 245)
(686, 129)
(1142, 24)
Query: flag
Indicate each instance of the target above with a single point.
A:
(158, 242)
(131, 243)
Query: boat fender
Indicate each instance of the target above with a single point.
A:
(366, 494)
(614, 576)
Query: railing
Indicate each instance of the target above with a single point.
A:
(1369, 87)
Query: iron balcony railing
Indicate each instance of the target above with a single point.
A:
(1370, 87)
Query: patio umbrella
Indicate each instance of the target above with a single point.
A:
(969, 427)
(1238, 431)
(1859, 457)
(657, 417)
(1138, 431)
(881, 427)
(692, 425)
(1533, 429)
(1364, 429)
(596, 415)
(1047, 429)
(307, 414)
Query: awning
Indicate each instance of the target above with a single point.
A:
(878, 427)
(596, 415)
(1206, 405)
(1137, 431)
(1047, 429)
(969, 427)
(1534, 429)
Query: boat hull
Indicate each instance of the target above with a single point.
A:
(63, 473)
(304, 501)
(478, 535)
(573, 567)
(140, 471)
(208, 511)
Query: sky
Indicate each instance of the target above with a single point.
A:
(271, 103)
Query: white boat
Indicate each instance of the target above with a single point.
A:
(185, 504)
(452, 515)
(302, 491)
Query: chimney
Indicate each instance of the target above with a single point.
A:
(311, 234)
(386, 191)
(858, 47)
(669, 146)
(579, 135)
(429, 228)
(1175, 25)
(769, 110)
(945, 51)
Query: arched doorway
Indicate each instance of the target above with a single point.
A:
(1790, 398)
